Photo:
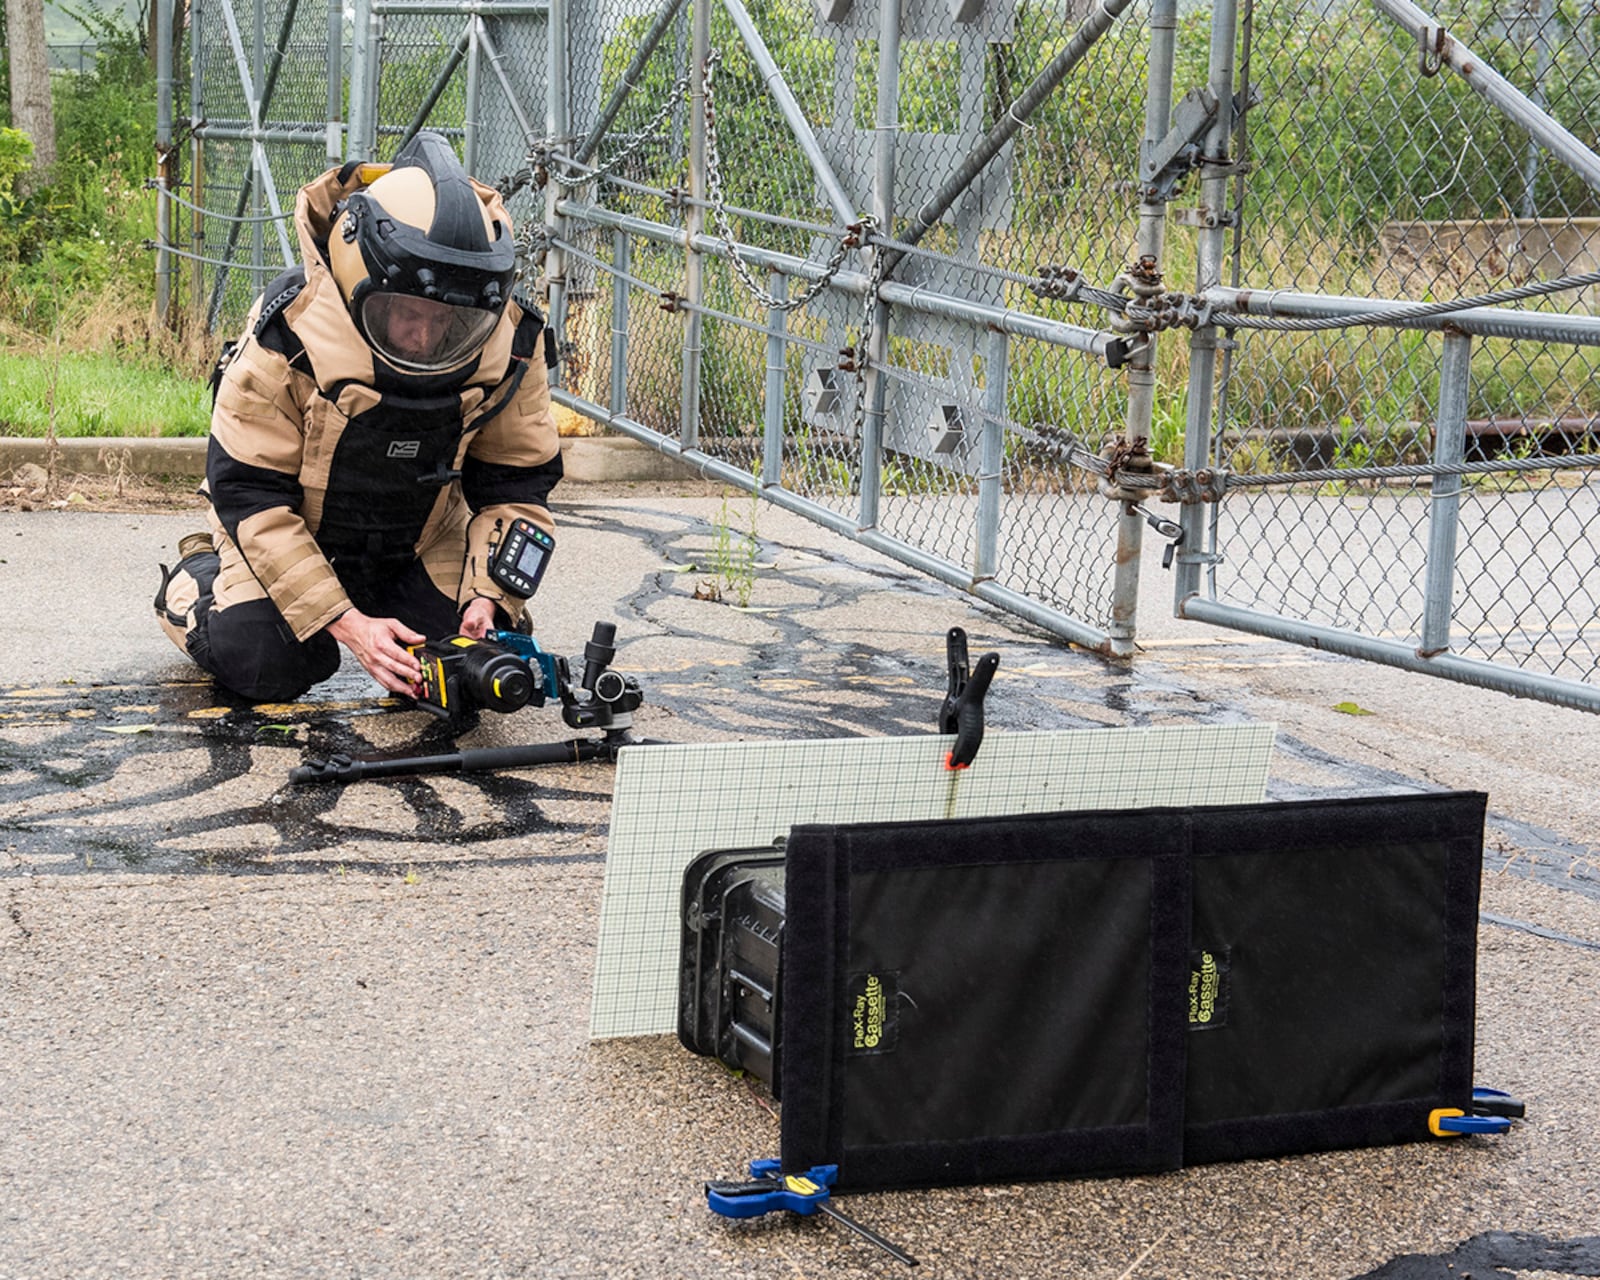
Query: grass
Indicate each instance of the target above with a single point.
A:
(97, 394)
(734, 554)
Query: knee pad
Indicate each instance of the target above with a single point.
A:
(184, 597)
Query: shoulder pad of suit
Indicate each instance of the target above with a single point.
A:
(278, 295)
(272, 331)
(528, 330)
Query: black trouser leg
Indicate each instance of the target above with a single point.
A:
(249, 648)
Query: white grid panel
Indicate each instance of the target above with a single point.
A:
(672, 803)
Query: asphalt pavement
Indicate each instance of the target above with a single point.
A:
(249, 1029)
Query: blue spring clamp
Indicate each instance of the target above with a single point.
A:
(770, 1190)
(1492, 1112)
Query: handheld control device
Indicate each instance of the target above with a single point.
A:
(519, 560)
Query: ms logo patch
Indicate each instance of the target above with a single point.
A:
(404, 448)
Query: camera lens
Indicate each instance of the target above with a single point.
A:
(496, 679)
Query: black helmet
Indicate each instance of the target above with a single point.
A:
(420, 261)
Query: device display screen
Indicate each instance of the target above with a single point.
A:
(530, 563)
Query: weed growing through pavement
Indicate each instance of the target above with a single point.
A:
(733, 555)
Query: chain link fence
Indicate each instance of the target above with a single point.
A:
(978, 286)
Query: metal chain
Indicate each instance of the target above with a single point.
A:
(855, 235)
(857, 354)
(540, 156)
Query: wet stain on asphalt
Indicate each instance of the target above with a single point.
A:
(179, 777)
(1497, 1255)
(62, 755)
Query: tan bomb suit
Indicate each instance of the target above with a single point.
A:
(336, 481)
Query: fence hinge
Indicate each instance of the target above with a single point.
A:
(1164, 164)
(1203, 216)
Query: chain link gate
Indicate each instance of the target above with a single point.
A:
(1412, 485)
(907, 271)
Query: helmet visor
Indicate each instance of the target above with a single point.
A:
(422, 335)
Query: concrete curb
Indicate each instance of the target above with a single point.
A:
(586, 459)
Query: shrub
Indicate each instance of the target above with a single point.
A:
(76, 245)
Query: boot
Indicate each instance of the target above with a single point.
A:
(194, 543)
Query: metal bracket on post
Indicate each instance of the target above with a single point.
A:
(1431, 44)
(1164, 164)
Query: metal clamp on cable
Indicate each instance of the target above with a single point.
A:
(1189, 488)
(1184, 310)
(1059, 284)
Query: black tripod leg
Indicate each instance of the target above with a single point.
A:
(345, 769)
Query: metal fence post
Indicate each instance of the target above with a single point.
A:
(557, 123)
(1208, 273)
(165, 156)
(258, 67)
(361, 135)
(694, 285)
(777, 349)
(886, 123)
(469, 123)
(1444, 503)
(621, 265)
(197, 157)
(1142, 366)
(991, 456)
(334, 149)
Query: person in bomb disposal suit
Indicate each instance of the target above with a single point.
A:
(384, 419)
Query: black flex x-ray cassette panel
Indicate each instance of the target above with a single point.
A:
(1082, 993)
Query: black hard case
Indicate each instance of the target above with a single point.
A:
(733, 913)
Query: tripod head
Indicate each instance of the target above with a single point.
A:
(603, 698)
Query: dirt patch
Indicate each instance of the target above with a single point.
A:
(32, 488)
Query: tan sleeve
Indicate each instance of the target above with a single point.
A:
(512, 463)
(253, 477)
